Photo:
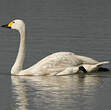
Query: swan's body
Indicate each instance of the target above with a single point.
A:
(60, 63)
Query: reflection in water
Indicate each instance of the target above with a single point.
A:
(40, 92)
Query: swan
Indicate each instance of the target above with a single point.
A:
(59, 63)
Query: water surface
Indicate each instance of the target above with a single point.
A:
(79, 26)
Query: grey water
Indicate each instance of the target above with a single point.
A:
(79, 26)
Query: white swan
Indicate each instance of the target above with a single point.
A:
(60, 63)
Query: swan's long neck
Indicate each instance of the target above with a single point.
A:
(17, 67)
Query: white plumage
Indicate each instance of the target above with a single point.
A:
(60, 63)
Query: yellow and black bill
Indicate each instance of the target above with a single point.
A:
(5, 26)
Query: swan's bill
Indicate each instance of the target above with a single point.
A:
(5, 26)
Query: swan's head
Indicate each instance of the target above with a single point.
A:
(15, 24)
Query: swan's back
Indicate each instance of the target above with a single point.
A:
(60, 58)
(66, 58)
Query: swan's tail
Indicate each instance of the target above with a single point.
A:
(101, 63)
(102, 69)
